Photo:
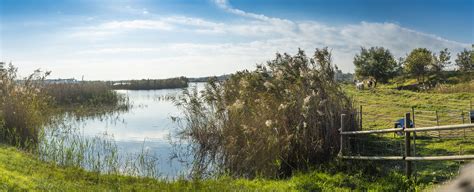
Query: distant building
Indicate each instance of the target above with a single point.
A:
(121, 83)
(61, 81)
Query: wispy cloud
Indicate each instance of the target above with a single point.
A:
(136, 24)
(225, 46)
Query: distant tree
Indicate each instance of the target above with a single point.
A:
(439, 63)
(472, 53)
(400, 65)
(417, 63)
(465, 60)
(377, 62)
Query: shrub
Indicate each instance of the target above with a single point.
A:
(283, 116)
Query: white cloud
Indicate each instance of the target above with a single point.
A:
(224, 47)
(136, 24)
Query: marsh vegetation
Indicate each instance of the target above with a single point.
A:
(151, 84)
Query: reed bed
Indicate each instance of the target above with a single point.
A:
(83, 93)
(282, 117)
(151, 84)
(64, 144)
(33, 118)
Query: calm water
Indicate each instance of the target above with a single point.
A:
(147, 125)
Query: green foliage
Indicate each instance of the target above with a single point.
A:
(151, 84)
(418, 62)
(375, 62)
(269, 122)
(23, 107)
(465, 61)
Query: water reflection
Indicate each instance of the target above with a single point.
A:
(145, 127)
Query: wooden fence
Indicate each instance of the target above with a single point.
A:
(407, 130)
(453, 112)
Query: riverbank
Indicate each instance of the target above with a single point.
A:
(22, 171)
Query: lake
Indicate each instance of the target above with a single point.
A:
(147, 125)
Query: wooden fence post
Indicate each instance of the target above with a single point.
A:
(343, 128)
(360, 119)
(437, 124)
(414, 133)
(470, 105)
(462, 116)
(407, 146)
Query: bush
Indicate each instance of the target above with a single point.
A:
(282, 117)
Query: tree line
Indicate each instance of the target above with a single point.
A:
(379, 63)
(151, 84)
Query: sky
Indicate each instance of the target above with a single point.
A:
(140, 39)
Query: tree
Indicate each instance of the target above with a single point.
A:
(399, 68)
(440, 62)
(464, 60)
(472, 54)
(418, 61)
(377, 62)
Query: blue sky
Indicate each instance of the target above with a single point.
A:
(134, 39)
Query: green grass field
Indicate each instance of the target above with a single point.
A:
(22, 171)
(382, 106)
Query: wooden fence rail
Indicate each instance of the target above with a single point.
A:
(420, 129)
(407, 157)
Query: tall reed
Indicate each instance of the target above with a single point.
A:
(282, 117)
(23, 107)
(65, 145)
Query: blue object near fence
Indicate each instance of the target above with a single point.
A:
(400, 123)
